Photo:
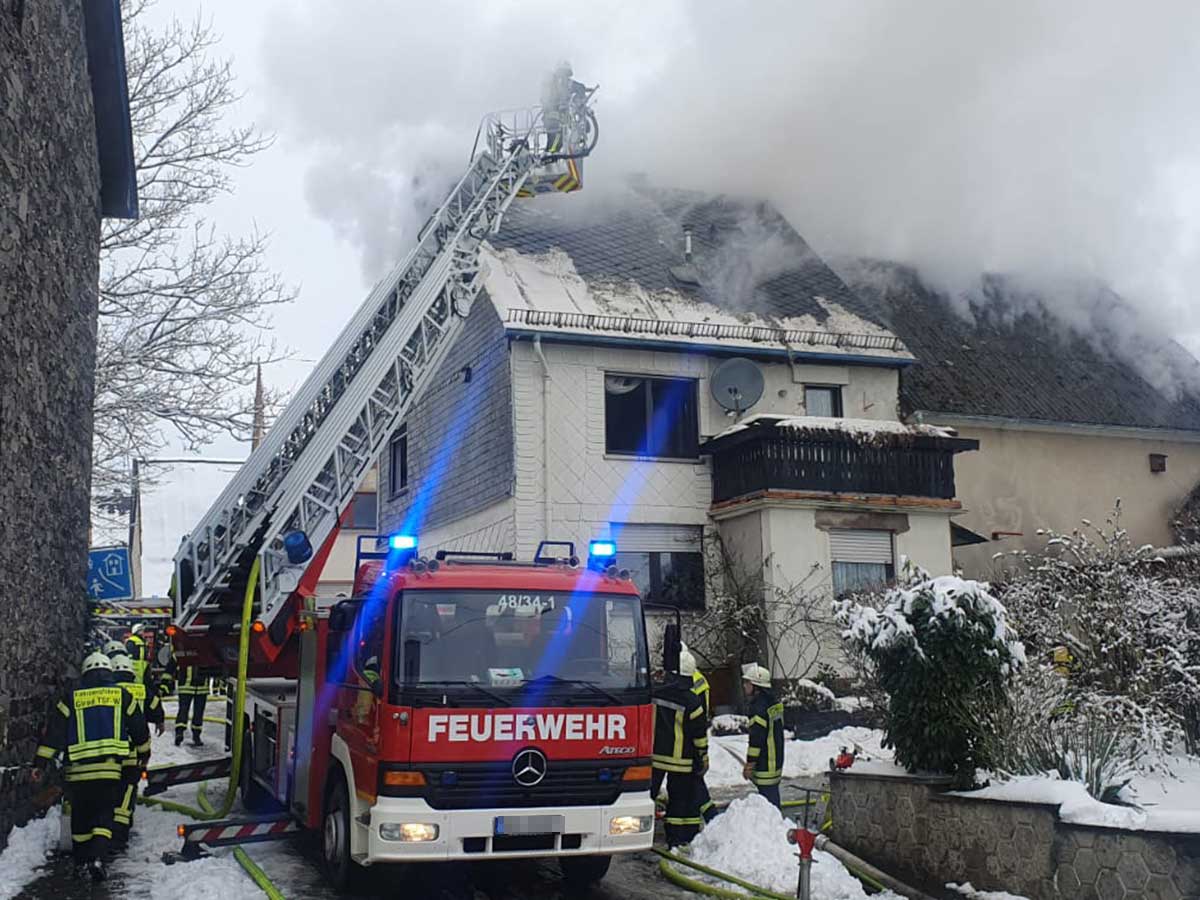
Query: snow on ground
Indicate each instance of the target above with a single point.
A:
(968, 891)
(730, 724)
(800, 758)
(28, 849)
(749, 840)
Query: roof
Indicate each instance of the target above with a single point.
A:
(1003, 355)
(612, 266)
(110, 99)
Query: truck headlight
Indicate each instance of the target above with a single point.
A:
(410, 832)
(630, 825)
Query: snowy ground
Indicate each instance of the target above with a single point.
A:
(28, 849)
(801, 759)
(749, 840)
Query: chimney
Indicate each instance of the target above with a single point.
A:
(687, 243)
(256, 435)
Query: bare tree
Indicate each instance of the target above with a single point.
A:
(183, 307)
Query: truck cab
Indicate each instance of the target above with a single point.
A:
(470, 707)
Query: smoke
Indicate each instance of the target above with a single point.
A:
(1056, 142)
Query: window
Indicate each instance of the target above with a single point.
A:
(665, 561)
(823, 400)
(651, 417)
(364, 510)
(398, 463)
(861, 560)
(368, 645)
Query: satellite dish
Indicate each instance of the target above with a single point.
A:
(737, 384)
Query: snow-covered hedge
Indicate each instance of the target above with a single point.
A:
(944, 653)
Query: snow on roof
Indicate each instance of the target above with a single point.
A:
(173, 495)
(545, 292)
(859, 428)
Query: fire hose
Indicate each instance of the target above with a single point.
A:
(207, 810)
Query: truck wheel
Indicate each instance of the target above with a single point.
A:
(342, 871)
(580, 871)
(255, 798)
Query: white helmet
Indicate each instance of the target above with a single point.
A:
(96, 660)
(687, 662)
(138, 628)
(757, 675)
(122, 663)
(112, 648)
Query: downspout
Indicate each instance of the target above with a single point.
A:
(547, 532)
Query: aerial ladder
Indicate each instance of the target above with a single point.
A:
(282, 507)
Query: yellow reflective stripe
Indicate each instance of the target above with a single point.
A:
(44, 752)
(102, 832)
(697, 712)
(677, 750)
(701, 742)
(758, 720)
(673, 820)
(104, 747)
(81, 838)
(753, 752)
(62, 708)
(114, 775)
(144, 747)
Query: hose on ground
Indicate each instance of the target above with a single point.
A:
(698, 887)
(755, 890)
(258, 875)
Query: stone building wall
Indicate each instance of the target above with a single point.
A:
(49, 242)
(909, 827)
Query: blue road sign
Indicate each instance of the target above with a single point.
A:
(108, 576)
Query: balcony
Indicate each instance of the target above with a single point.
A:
(773, 455)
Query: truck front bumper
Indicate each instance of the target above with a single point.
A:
(471, 833)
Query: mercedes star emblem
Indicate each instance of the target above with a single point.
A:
(529, 768)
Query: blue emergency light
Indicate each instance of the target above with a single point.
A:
(601, 554)
(402, 542)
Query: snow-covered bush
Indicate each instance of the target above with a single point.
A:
(1131, 626)
(944, 653)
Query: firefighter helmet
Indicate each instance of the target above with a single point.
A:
(97, 660)
(138, 628)
(112, 648)
(687, 662)
(757, 675)
(122, 663)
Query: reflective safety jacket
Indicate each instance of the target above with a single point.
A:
(139, 750)
(680, 729)
(94, 727)
(140, 654)
(766, 738)
(701, 690)
(187, 679)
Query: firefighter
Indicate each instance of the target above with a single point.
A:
(139, 754)
(764, 758)
(93, 727)
(191, 687)
(687, 668)
(556, 99)
(680, 755)
(135, 646)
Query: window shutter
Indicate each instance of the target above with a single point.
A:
(860, 546)
(657, 538)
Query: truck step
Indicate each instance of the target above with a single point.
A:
(161, 778)
(229, 832)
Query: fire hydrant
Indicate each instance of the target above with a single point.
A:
(804, 839)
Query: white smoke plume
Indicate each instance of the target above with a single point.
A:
(1057, 142)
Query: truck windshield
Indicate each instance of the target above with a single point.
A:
(497, 640)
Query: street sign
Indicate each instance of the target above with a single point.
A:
(108, 576)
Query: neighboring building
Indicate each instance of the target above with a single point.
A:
(1064, 429)
(171, 495)
(577, 403)
(65, 161)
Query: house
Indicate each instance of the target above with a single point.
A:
(66, 160)
(1066, 426)
(578, 402)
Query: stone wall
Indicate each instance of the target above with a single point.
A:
(911, 828)
(49, 241)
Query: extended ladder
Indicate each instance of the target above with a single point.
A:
(323, 444)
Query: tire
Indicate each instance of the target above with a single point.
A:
(255, 798)
(581, 871)
(342, 872)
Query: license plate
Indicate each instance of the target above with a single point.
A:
(529, 824)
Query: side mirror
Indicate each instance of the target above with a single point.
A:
(343, 614)
(672, 646)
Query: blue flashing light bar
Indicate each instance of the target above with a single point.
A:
(402, 542)
(602, 549)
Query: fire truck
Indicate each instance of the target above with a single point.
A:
(464, 706)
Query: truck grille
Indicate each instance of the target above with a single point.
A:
(477, 786)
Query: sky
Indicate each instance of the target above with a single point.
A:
(1049, 140)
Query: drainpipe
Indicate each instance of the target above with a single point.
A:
(547, 523)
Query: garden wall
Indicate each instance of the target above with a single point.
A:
(910, 827)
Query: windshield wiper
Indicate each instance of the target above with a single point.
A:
(590, 685)
(499, 698)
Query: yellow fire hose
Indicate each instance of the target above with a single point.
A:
(207, 811)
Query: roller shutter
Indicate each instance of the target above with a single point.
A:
(657, 538)
(860, 546)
